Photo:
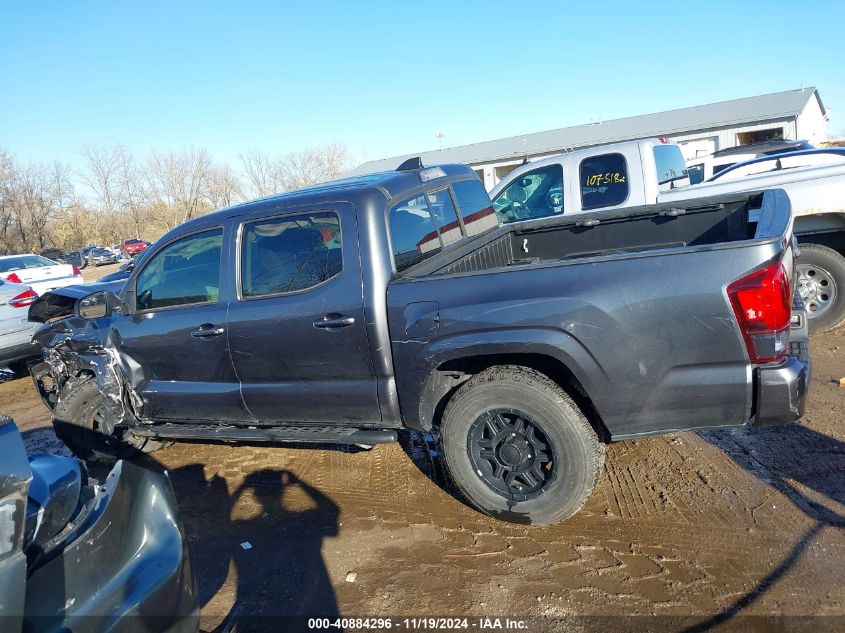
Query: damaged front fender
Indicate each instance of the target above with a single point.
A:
(73, 346)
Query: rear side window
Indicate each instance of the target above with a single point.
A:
(475, 206)
(184, 272)
(670, 165)
(413, 235)
(290, 254)
(604, 181)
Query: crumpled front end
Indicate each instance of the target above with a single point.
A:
(73, 346)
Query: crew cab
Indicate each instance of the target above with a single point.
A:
(354, 310)
(651, 171)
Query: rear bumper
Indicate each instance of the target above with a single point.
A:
(781, 391)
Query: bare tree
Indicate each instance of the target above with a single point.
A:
(261, 173)
(8, 214)
(124, 196)
(312, 166)
(225, 187)
(179, 183)
(101, 175)
(134, 194)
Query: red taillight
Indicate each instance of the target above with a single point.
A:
(762, 303)
(76, 271)
(14, 278)
(24, 299)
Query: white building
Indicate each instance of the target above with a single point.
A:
(700, 130)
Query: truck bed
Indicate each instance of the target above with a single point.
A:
(697, 223)
(633, 303)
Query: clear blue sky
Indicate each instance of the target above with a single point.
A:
(382, 77)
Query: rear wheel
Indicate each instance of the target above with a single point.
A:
(79, 421)
(519, 448)
(821, 283)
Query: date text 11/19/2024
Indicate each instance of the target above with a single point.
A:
(417, 624)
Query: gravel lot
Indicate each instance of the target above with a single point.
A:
(706, 526)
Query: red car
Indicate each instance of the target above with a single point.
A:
(133, 246)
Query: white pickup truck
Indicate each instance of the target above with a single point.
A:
(652, 171)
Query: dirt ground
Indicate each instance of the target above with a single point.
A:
(706, 527)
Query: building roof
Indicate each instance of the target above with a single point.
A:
(777, 105)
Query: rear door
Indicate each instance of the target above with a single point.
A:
(175, 331)
(296, 329)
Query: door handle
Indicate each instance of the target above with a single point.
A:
(207, 330)
(334, 321)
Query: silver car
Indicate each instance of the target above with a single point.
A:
(15, 330)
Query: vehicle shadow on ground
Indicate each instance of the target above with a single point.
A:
(778, 456)
(269, 531)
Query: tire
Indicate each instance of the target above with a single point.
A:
(475, 444)
(821, 283)
(75, 422)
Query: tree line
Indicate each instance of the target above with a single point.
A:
(114, 194)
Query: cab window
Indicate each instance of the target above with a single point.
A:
(604, 181)
(413, 234)
(290, 253)
(534, 194)
(475, 206)
(184, 272)
(444, 215)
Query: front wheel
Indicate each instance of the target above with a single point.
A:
(821, 283)
(79, 422)
(518, 447)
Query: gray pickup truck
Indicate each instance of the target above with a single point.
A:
(346, 312)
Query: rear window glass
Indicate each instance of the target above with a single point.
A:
(413, 235)
(475, 206)
(604, 181)
(444, 215)
(20, 262)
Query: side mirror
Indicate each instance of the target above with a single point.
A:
(97, 305)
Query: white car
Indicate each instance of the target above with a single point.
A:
(39, 273)
(15, 330)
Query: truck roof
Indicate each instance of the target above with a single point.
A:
(388, 183)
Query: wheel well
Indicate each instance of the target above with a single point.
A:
(449, 376)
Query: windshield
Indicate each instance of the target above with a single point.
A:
(133, 242)
(20, 262)
(669, 163)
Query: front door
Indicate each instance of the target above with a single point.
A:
(174, 334)
(296, 329)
